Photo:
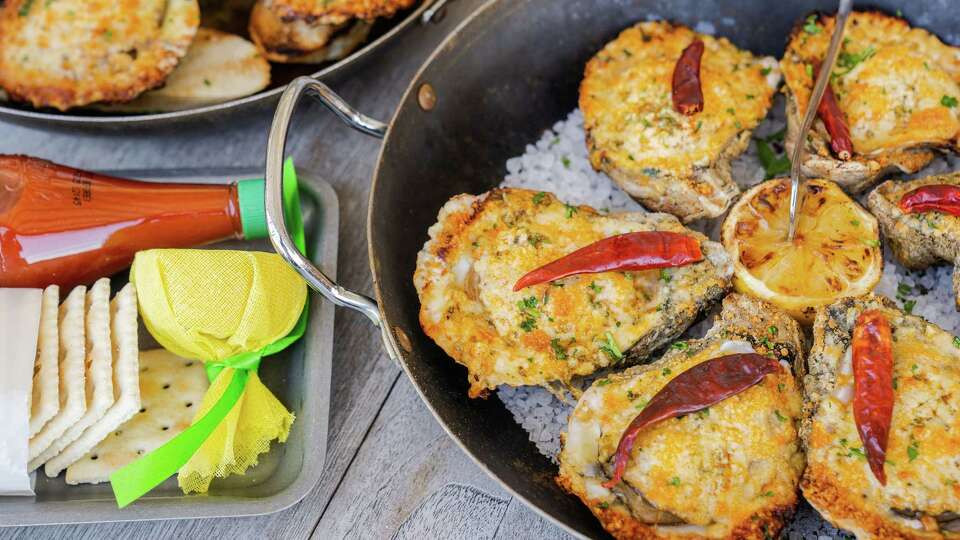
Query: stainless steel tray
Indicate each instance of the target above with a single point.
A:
(299, 376)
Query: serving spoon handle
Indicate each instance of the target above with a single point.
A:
(819, 87)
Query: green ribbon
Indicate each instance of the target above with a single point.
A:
(139, 477)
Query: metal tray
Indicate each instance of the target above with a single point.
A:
(299, 376)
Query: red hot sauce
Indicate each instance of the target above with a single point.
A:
(67, 227)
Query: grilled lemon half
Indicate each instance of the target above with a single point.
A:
(836, 252)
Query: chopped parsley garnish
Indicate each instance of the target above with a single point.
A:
(651, 171)
(773, 330)
(780, 387)
(603, 382)
(731, 110)
(780, 417)
(871, 242)
(767, 494)
(665, 275)
(535, 239)
(810, 26)
(611, 348)
(594, 287)
(765, 71)
(857, 452)
(630, 395)
(903, 289)
(948, 101)
(206, 82)
(913, 451)
(539, 197)
(555, 141)
(675, 481)
(749, 96)
(956, 342)
(681, 345)
(909, 305)
(809, 69)
(571, 210)
(855, 222)
(603, 505)
(558, 349)
(566, 162)
(773, 165)
(25, 8)
(847, 61)
(703, 413)
(642, 404)
(666, 371)
(528, 308)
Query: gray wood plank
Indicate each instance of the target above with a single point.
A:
(404, 462)
(454, 511)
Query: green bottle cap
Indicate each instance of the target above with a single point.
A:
(253, 214)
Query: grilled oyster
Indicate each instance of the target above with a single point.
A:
(922, 496)
(730, 471)
(918, 239)
(71, 52)
(554, 331)
(897, 87)
(313, 31)
(666, 160)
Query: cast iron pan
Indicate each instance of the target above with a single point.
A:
(507, 73)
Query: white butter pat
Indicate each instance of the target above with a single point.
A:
(19, 329)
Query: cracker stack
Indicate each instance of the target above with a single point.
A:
(96, 403)
(93, 386)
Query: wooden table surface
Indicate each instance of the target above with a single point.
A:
(391, 471)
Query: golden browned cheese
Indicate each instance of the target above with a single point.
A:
(668, 161)
(71, 52)
(729, 471)
(897, 87)
(922, 497)
(552, 332)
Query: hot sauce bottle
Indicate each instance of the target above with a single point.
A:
(67, 227)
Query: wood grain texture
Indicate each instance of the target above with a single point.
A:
(389, 467)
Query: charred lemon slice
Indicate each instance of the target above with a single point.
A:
(836, 251)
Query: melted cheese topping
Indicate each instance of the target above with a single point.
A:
(894, 84)
(923, 463)
(628, 109)
(550, 332)
(714, 469)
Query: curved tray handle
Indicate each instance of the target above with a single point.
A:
(276, 225)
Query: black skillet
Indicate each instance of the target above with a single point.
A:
(504, 75)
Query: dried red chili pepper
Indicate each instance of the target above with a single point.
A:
(829, 112)
(873, 386)
(935, 197)
(687, 93)
(697, 388)
(631, 251)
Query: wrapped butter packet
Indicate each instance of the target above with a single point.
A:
(19, 329)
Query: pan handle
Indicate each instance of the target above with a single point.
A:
(276, 225)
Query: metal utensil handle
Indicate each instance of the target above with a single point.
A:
(276, 225)
(819, 87)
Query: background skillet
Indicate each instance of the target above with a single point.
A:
(384, 30)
